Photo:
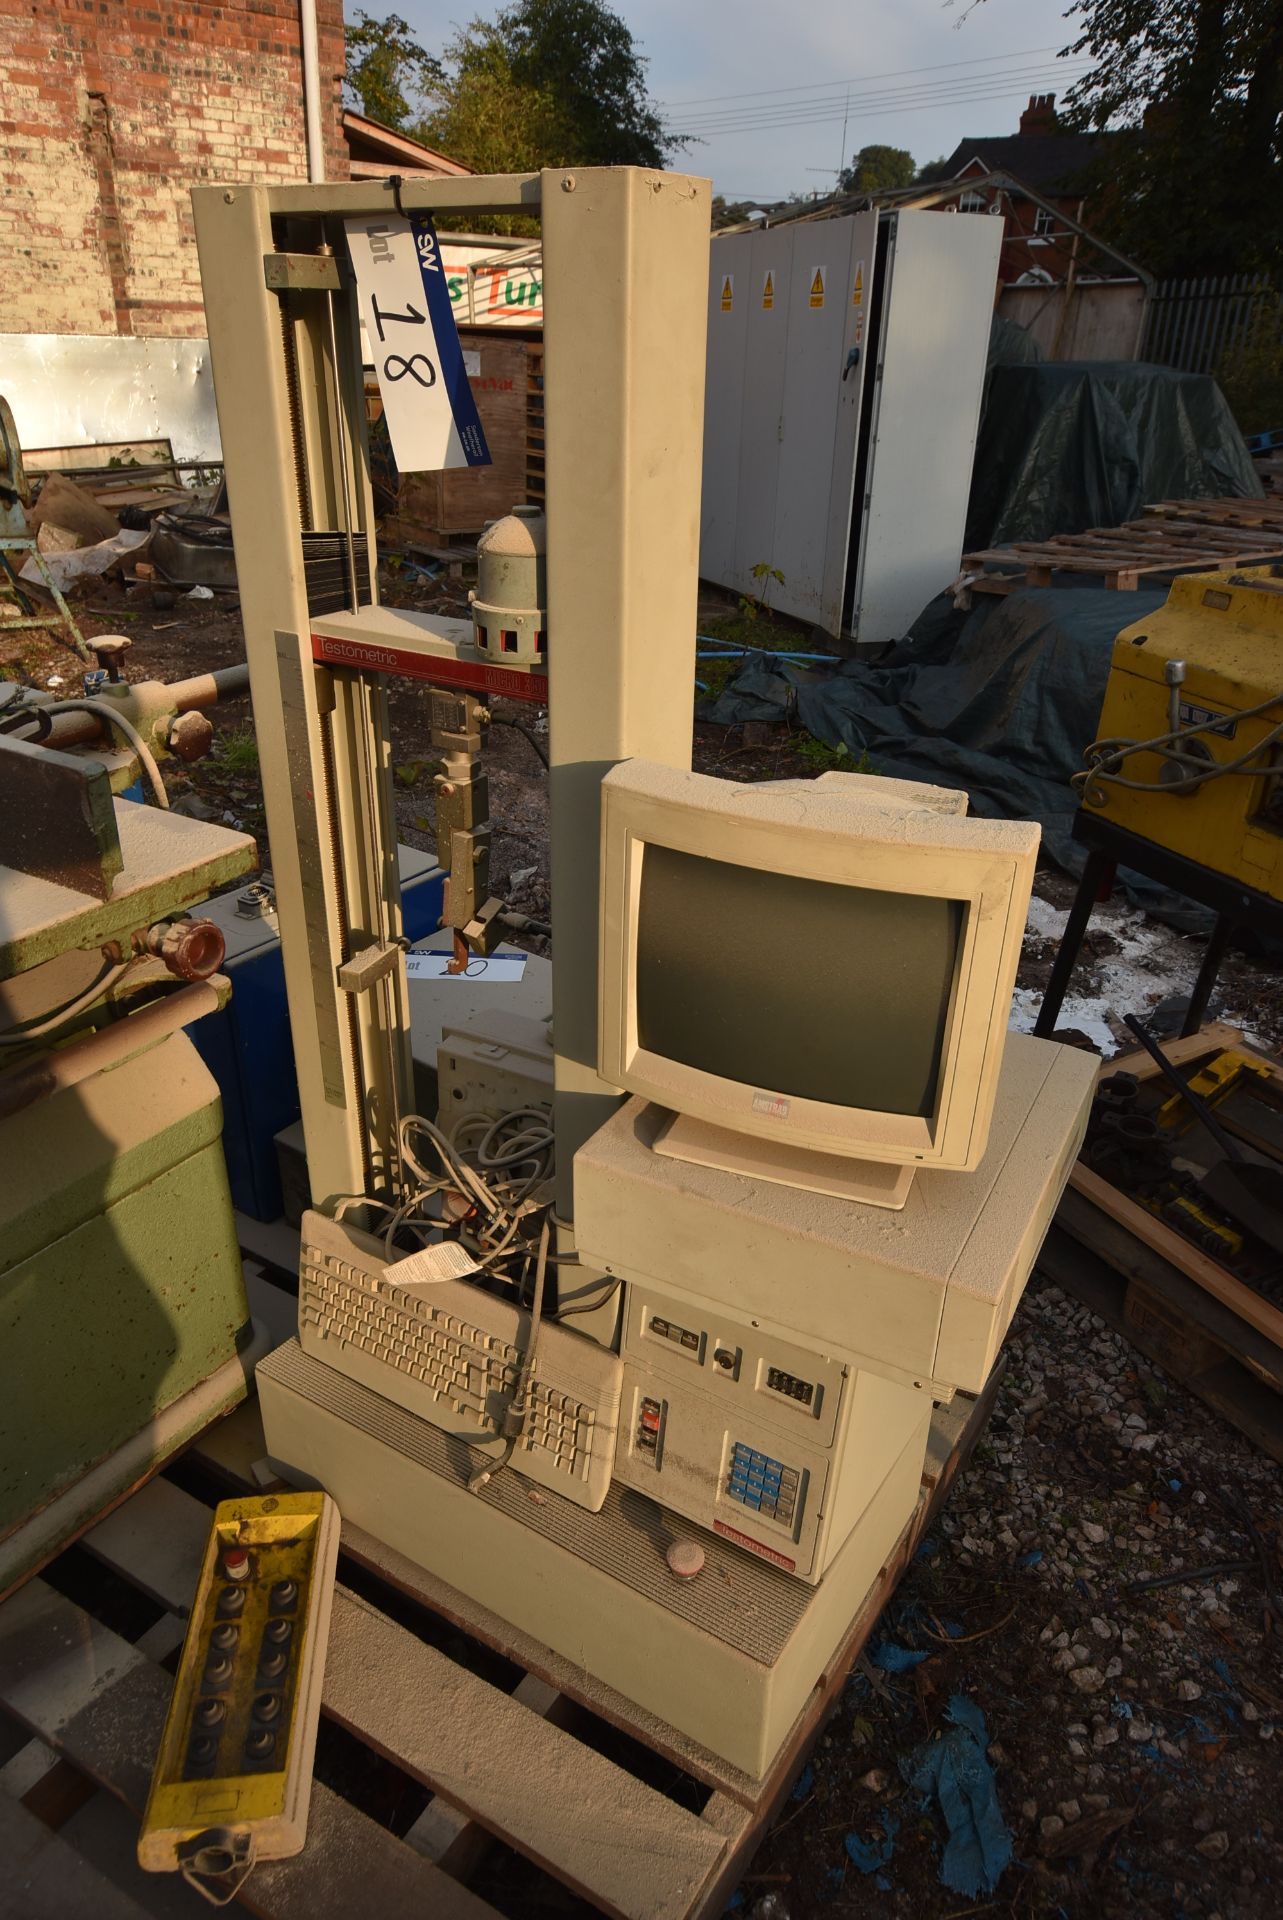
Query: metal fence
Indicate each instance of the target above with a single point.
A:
(1197, 325)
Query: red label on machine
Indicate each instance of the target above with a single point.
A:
(755, 1546)
(474, 675)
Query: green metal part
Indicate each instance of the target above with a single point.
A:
(120, 1277)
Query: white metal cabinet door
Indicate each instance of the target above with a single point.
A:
(818, 430)
(762, 404)
(937, 308)
(729, 265)
(858, 297)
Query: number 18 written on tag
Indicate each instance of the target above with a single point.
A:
(429, 407)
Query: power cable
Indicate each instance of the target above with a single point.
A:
(815, 112)
(895, 73)
(828, 93)
(947, 93)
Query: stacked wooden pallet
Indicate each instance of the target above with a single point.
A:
(1216, 1332)
(458, 1761)
(536, 481)
(1269, 470)
(1173, 536)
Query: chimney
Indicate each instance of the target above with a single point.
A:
(1040, 115)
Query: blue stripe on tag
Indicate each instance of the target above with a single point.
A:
(445, 332)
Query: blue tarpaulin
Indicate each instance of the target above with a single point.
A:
(1000, 701)
(952, 1771)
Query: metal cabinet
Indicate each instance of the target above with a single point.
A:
(845, 370)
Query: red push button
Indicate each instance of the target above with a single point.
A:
(235, 1563)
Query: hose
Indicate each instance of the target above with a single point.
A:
(1113, 753)
(105, 981)
(103, 710)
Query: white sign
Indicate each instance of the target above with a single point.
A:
(404, 301)
(496, 968)
(490, 291)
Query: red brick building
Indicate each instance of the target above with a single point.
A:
(110, 111)
(1052, 161)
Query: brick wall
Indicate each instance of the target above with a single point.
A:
(110, 111)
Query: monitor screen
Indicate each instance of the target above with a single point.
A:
(802, 987)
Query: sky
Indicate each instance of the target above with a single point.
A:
(764, 87)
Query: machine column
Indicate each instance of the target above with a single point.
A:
(625, 316)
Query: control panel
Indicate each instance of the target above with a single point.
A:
(233, 1776)
(731, 1426)
(763, 1377)
(767, 1486)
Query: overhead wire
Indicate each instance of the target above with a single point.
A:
(826, 103)
(830, 98)
(894, 73)
(828, 115)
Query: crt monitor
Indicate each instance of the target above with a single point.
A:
(809, 974)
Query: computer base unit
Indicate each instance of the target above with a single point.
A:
(729, 1658)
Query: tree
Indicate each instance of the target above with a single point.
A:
(385, 66)
(932, 172)
(876, 170)
(482, 115)
(547, 83)
(1192, 179)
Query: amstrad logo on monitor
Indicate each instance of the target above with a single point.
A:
(771, 1105)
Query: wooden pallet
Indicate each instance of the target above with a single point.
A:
(550, 1775)
(1213, 1331)
(1173, 536)
(1168, 1317)
(536, 479)
(1269, 469)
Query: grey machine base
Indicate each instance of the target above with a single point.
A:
(728, 1658)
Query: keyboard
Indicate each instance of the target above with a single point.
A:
(451, 1353)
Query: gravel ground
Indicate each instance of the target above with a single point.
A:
(1135, 1736)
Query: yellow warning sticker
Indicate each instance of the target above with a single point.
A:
(728, 292)
(817, 286)
(768, 291)
(857, 298)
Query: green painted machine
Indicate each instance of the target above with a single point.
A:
(124, 1327)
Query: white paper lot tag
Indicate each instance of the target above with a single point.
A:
(405, 303)
(447, 1260)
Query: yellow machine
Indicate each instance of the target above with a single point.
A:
(1191, 749)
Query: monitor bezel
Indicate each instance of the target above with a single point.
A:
(819, 833)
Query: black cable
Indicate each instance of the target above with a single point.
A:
(533, 738)
(589, 1306)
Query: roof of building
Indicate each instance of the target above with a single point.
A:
(1047, 161)
(375, 151)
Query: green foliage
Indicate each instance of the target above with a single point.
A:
(1251, 376)
(388, 72)
(932, 171)
(583, 53)
(238, 751)
(764, 630)
(753, 606)
(826, 759)
(1190, 184)
(877, 169)
(548, 83)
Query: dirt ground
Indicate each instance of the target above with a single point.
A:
(1134, 1720)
